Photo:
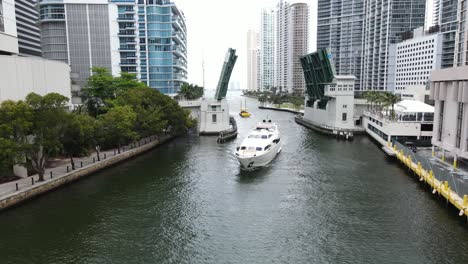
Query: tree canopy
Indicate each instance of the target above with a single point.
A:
(191, 91)
(117, 111)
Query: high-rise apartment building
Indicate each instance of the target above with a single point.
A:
(282, 40)
(384, 24)
(340, 28)
(435, 13)
(448, 26)
(414, 60)
(267, 49)
(292, 43)
(461, 38)
(252, 66)
(147, 38)
(29, 37)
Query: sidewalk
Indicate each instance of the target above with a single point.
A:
(81, 164)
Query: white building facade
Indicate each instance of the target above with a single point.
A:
(338, 115)
(8, 33)
(23, 75)
(19, 75)
(449, 90)
(267, 48)
(413, 122)
(252, 60)
(411, 63)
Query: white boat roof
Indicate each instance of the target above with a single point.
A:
(265, 125)
(413, 106)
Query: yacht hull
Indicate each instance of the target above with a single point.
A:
(252, 162)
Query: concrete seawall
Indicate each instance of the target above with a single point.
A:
(281, 109)
(40, 188)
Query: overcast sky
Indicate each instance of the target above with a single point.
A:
(213, 26)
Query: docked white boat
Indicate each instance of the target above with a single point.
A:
(260, 147)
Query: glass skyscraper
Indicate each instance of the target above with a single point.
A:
(144, 37)
(340, 26)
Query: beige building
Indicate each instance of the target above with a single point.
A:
(292, 42)
(449, 90)
(252, 60)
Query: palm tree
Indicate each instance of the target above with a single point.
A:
(392, 99)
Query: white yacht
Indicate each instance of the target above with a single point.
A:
(260, 147)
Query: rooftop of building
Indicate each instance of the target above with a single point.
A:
(413, 106)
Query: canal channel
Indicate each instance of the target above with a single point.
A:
(320, 201)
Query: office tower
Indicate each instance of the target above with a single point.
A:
(461, 38)
(414, 61)
(384, 24)
(144, 38)
(267, 49)
(292, 43)
(252, 67)
(161, 43)
(29, 37)
(282, 34)
(299, 43)
(448, 27)
(435, 13)
(340, 28)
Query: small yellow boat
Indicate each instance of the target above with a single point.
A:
(244, 113)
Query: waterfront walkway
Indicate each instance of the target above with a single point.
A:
(450, 183)
(58, 175)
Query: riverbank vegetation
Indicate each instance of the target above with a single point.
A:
(116, 111)
(278, 98)
(190, 92)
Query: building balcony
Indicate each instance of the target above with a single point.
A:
(127, 33)
(125, 18)
(130, 49)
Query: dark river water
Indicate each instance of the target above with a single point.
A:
(320, 201)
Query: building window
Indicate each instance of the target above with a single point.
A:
(345, 106)
(344, 116)
(441, 120)
(213, 108)
(213, 118)
(459, 125)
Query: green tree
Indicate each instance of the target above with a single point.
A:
(297, 101)
(77, 137)
(49, 116)
(15, 125)
(263, 98)
(99, 89)
(146, 103)
(191, 91)
(119, 125)
(8, 156)
(391, 99)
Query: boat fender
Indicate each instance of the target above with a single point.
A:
(462, 211)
